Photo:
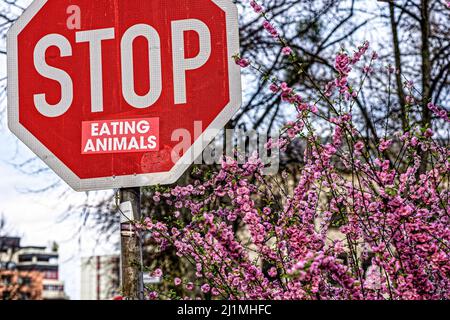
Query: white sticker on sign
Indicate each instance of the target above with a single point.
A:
(126, 212)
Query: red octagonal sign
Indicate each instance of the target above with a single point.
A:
(106, 91)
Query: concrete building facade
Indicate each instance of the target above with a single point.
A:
(100, 277)
(30, 272)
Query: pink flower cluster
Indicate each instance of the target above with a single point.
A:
(441, 113)
(343, 65)
(393, 220)
(286, 51)
(271, 29)
(384, 145)
(256, 7)
(243, 63)
(351, 223)
(267, 25)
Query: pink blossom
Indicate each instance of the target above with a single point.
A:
(157, 273)
(274, 88)
(409, 100)
(215, 292)
(272, 272)
(190, 286)
(153, 295)
(285, 88)
(269, 27)
(391, 215)
(286, 51)
(256, 7)
(243, 63)
(342, 64)
(206, 288)
(441, 113)
(384, 145)
(359, 146)
(390, 69)
(368, 69)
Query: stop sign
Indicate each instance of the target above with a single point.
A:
(105, 91)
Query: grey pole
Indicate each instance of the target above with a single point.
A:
(131, 247)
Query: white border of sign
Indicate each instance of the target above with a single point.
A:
(179, 168)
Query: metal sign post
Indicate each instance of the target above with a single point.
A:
(131, 246)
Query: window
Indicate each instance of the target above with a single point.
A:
(53, 260)
(6, 280)
(25, 259)
(53, 288)
(50, 288)
(42, 259)
(26, 281)
(25, 296)
(51, 275)
(6, 295)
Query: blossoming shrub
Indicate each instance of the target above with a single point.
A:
(366, 218)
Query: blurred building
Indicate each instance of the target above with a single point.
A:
(46, 262)
(30, 272)
(20, 285)
(9, 246)
(100, 277)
